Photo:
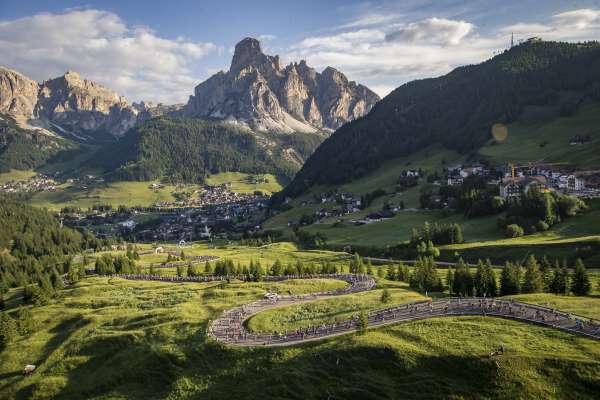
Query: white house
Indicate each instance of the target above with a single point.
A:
(574, 183)
(514, 187)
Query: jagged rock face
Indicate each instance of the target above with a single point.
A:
(78, 105)
(18, 93)
(256, 91)
(71, 104)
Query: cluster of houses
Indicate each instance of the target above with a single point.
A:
(513, 180)
(212, 195)
(37, 183)
(194, 223)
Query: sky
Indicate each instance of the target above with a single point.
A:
(160, 50)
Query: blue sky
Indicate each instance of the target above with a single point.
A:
(159, 50)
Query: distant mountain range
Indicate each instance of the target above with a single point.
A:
(256, 92)
(536, 79)
(256, 95)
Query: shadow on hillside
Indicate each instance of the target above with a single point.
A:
(141, 366)
(62, 332)
(134, 367)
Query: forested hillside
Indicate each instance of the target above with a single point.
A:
(185, 149)
(34, 248)
(26, 149)
(457, 110)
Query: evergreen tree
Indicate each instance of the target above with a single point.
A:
(463, 280)
(534, 282)
(385, 296)
(510, 280)
(450, 280)
(362, 324)
(190, 270)
(208, 268)
(73, 274)
(8, 329)
(580, 282)
(382, 272)
(276, 268)
(26, 324)
(560, 281)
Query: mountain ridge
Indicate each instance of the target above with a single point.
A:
(258, 92)
(457, 110)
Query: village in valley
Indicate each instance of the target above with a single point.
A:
(509, 181)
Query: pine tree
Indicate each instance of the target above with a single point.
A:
(208, 268)
(276, 268)
(26, 324)
(580, 282)
(463, 280)
(510, 280)
(450, 280)
(179, 271)
(457, 234)
(73, 274)
(369, 267)
(534, 282)
(8, 329)
(560, 281)
(362, 324)
(492, 286)
(381, 272)
(385, 296)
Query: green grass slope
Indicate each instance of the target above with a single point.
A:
(115, 339)
(548, 141)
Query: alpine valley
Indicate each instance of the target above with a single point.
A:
(286, 233)
(258, 117)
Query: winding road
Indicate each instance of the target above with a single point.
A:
(230, 327)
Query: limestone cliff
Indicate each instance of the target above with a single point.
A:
(258, 92)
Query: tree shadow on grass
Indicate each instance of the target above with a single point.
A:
(62, 332)
(138, 367)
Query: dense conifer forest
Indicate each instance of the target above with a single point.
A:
(36, 249)
(186, 149)
(457, 110)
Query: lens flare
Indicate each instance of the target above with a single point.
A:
(499, 132)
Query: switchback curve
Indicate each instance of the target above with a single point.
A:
(229, 327)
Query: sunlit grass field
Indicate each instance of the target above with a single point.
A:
(110, 338)
(130, 193)
(549, 141)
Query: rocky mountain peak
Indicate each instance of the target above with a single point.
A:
(248, 53)
(257, 92)
(18, 93)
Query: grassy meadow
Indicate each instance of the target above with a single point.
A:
(132, 193)
(548, 141)
(114, 339)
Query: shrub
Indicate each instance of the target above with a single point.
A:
(542, 226)
(513, 231)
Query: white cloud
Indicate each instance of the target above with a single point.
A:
(434, 30)
(342, 41)
(582, 24)
(99, 45)
(266, 37)
(369, 20)
(385, 56)
(578, 19)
